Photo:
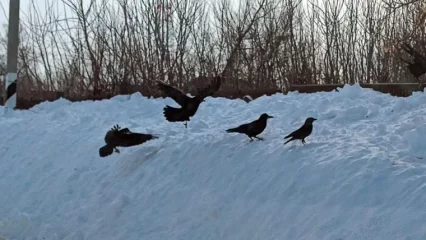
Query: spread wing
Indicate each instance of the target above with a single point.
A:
(211, 89)
(105, 151)
(133, 139)
(174, 93)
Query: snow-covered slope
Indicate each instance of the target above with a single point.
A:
(361, 174)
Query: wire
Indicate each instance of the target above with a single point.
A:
(4, 11)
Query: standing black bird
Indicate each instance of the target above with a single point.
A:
(254, 128)
(303, 132)
(418, 68)
(117, 137)
(189, 105)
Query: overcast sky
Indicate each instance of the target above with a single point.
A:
(40, 4)
(4, 8)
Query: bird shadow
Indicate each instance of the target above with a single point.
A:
(248, 141)
(315, 144)
(308, 145)
(133, 161)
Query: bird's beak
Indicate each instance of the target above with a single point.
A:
(315, 119)
(270, 117)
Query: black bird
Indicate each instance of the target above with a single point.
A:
(252, 129)
(189, 105)
(418, 68)
(117, 137)
(303, 132)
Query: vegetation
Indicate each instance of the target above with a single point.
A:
(100, 48)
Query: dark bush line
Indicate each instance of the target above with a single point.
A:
(28, 102)
(395, 89)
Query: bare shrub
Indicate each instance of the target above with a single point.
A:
(99, 48)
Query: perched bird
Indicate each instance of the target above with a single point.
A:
(117, 137)
(254, 128)
(189, 105)
(303, 132)
(418, 68)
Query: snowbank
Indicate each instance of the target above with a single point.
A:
(361, 174)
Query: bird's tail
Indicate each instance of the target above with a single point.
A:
(287, 136)
(233, 130)
(291, 139)
(173, 114)
(106, 151)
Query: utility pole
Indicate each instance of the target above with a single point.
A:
(12, 56)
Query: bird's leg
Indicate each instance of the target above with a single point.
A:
(251, 139)
(186, 124)
(259, 138)
(303, 141)
(116, 150)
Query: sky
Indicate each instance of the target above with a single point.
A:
(25, 4)
(41, 5)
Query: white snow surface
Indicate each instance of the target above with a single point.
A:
(361, 174)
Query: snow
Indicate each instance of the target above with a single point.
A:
(361, 174)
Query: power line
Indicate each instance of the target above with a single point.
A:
(4, 11)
